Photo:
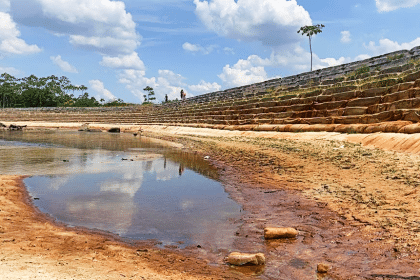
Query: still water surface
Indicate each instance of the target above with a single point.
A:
(127, 185)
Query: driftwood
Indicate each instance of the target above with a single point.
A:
(16, 127)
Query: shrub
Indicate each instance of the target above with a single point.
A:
(361, 70)
(395, 57)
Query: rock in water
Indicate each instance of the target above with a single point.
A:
(236, 258)
(84, 127)
(274, 233)
(114, 130)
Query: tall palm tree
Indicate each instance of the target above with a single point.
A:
(310, 31)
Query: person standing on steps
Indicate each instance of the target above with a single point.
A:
(183, 94)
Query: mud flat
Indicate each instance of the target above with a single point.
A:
(355, 205)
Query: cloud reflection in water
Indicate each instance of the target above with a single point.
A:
(139, 199)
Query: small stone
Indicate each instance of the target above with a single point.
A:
(322, 268)
(236, 258)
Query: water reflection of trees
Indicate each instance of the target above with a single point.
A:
(192, 161)
(149, 165)
(80, 140)
(181, 168)
(112, 142)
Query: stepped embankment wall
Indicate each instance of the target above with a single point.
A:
(326, 76)
(377, 94)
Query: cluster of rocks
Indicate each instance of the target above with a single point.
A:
(12, 126)
(86, 128)
(239, 259)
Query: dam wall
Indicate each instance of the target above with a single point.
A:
(380, 94)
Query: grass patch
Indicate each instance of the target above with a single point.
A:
(361, 70)
(395, 57)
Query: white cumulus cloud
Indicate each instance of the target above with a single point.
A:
(101, 92)
(131, 61)
(198, 48)
(10, 43)
(167, 82)
(345, 37)
(100, 25)
(244, 72)
(387, 45)
(191, 47)
(106, 44)
(272, 22)
(391, 5)
(10, 70)
(64, 65)
(205, 87)
(294, 59)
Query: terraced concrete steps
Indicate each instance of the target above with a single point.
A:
(387, 96)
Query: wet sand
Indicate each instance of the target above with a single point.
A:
(356, 208)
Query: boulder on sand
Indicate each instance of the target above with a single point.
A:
(237, 258)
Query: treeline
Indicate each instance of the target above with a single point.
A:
(46, 92)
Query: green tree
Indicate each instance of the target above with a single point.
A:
(150, 95)
(44, 92)
(8, 88)
(115, 103)
(310, 31)
(85, 101)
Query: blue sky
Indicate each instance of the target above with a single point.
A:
(117, 48)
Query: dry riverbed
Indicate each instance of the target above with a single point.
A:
(355, 204)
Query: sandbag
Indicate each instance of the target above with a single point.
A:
(276, 233)
(237, 258)
(410, 129)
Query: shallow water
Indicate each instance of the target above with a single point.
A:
(123, 184)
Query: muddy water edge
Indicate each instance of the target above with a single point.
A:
(277, 189)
